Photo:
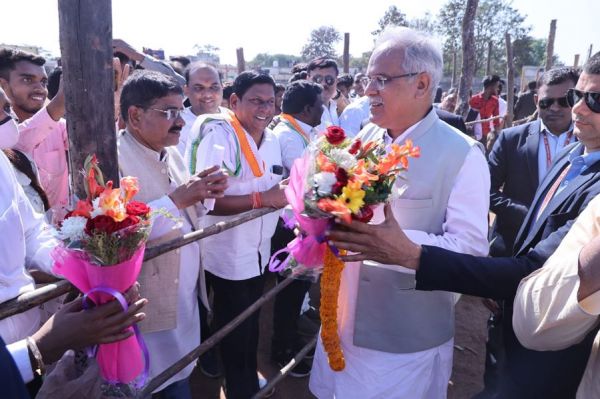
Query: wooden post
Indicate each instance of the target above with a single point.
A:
(576, 61)
(241, 63)
(590, 51)
(88, 79)
(454, 61)
(510, 82)
(488, 69)
(550, 45)
(346, 52)
(468, 57)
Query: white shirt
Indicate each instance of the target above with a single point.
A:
(374, 374)
(166, 347)
(292, 144)
(556, 143)
(235, 253)
(329, 117)
(26, 243)
(355, 116)
(189, 117)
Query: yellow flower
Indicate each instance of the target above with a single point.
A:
(110, 202)
(130, 187)
(353, 197)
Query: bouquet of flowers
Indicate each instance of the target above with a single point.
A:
(340, 178)
(103, 242)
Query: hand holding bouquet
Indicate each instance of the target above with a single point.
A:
(340, 178)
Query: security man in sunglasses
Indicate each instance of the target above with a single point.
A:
(324, 71)
(518, 162)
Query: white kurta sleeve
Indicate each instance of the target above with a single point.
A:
(20, 354)
(465, 228)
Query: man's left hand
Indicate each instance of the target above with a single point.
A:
(384, 243)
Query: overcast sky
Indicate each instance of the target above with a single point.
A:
(277, 26)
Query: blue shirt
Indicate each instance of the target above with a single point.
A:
(555, 143)
(579, 163)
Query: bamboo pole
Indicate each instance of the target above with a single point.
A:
(510, 82)
(550, 45)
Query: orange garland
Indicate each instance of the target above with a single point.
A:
(330, 286)
(245, 146)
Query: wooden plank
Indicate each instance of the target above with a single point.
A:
(550, 45)
(346, 52)
(510, 82)
(241, 63)
(88, 79)
(468, 57)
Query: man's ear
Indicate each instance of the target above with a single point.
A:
(233, 101)
(134, 116)
(4, 84)
(186, 91)
(535, 99)
(423, 85)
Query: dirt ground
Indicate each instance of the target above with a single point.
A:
(467, 374)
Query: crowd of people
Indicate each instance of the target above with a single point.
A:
(206, 152)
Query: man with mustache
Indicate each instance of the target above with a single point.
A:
(42, 131)
(235, 259)
(151, 105)
(397, 342)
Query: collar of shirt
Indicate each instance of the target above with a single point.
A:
(160, 156)
(577, 157)
(543, 129)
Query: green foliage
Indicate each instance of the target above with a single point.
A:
(392, 17)
(266, 60)
(110, 249)
(321, 43)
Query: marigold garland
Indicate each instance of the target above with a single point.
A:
(330, 286)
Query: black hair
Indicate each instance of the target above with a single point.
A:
(144, 87)
(532, 85)
(279, 87)
(557, 76)
(490, 80)
(9, 59)
(54, 82)
(322, 62)
(23, 165)
(185, 61)
(227, 91)
(299, 67)
(247, 79)
(199, 65)
(592, 65)
(302, 75)
(298, 95)
(438, 95)
(345, 80)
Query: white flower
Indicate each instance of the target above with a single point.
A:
(73, 228)
(324, 182)
(342, 158)
(96, 211)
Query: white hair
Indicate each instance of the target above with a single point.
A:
(422, 53)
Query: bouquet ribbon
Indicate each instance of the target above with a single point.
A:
(91, 352)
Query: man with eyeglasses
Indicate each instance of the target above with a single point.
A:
(570, 185)
(204, 89)
(42, 129)
(324, 71)
(398, 342)
(151, 105)
(236, 259)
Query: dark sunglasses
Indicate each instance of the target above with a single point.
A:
(592, 99)
(547, 102)
(329, 80)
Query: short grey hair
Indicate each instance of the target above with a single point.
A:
(422, 52)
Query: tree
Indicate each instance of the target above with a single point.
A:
(425, 24)
(468, 40)
(361, 62)
(207, 53)
(267, 60)
(321, 43)
(493, 19)
(392, 17)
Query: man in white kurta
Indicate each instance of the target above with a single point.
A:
(451, 180)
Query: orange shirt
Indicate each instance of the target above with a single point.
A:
(487, 109)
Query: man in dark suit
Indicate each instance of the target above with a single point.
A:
(521, 156)
(571, 183)
(453, 120)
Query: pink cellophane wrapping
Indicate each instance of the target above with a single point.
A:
(119, 362)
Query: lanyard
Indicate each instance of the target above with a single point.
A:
(296, 127)
(547, 145)
(245, 145)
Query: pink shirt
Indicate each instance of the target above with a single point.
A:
(45, 141)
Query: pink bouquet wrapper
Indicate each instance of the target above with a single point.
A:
(119, 362)
(308, 249)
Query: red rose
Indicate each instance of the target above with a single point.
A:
(101, 223)
(355, 147)
(129, 221)
(365, 214)
(335, 135)
(342, 179)
(136, 208)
